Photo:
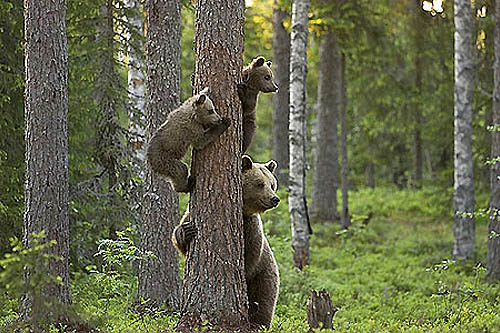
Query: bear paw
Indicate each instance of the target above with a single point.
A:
(189, 231)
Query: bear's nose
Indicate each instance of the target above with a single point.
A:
(275, 201)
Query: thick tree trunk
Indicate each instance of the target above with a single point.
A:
(281, 100)
(463, 196)
(494, 223)
(159, 278)
(136, 82)
(46, 133)
(298, 73)
(326, 162)
(344, 168)
(214, 285)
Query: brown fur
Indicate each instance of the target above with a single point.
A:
(257, 77)
(261, 270)
(195, 122)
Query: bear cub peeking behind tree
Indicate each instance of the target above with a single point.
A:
(261, 271)
(194, 122)
(257, 77)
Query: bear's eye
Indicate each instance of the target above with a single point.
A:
(267, 77)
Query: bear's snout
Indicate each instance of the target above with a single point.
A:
(275, 201)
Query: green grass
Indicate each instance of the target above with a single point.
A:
(394, 275)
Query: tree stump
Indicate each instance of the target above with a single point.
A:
(320, 310)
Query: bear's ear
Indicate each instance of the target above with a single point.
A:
(201, 99)
(271, 165)
(246, 163)
(258, 62)
(269, 63)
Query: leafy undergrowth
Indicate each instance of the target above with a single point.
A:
(394, 274)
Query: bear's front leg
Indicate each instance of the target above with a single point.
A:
(212, 133)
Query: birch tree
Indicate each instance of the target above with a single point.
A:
(46, 133)
(159, 278)
(494, 222)
(297, 135)
(463, 195)
(326, 165)
(281, 100)
(214, 284)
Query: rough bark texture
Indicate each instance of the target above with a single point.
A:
(281, 100)
(136, 81)
(46, 134)
(345, 219)
(214, 285)
(298, 73)
(320, 310)
(159, 278)
(494, 223)
(326, 162)
(463, 196)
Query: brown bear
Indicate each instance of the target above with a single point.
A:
(195, 122)
(257, 77)
(261, 269)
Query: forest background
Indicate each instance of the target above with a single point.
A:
(395, 273)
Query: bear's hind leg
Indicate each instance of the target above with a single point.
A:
(262, 296)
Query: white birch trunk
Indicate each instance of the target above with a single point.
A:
(297, 135)
(136, 82)
(494, 224)
(463, 196)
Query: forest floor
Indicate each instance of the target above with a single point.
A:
(395, 274)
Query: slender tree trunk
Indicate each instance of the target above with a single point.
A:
(298, 73)
(136, 82)
(344, 218)
(463, 196)
(108, 138)
(281, 100)
(46, 134)
(494, 223)
(418, 33)
(214, 284)
(159, 278)
(326, 165)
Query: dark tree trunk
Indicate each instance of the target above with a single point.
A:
(159, 278)
(326, 165)
(463, 195)
(344, 218)
(494, 223)
(108, 138)
(281, 100)
(214, 285)
(46, 133)
(297, 205)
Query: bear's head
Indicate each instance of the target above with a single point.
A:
(259, 186)
(204, 109)
(259, 77)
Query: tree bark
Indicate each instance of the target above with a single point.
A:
(136, 82)
(320, 311)
(214, 286)
(326, 165)
(297, 135)
(463, 196)
(46, 133)
(281, 100)
(159, 278)
(494, 222)
(344, 168)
